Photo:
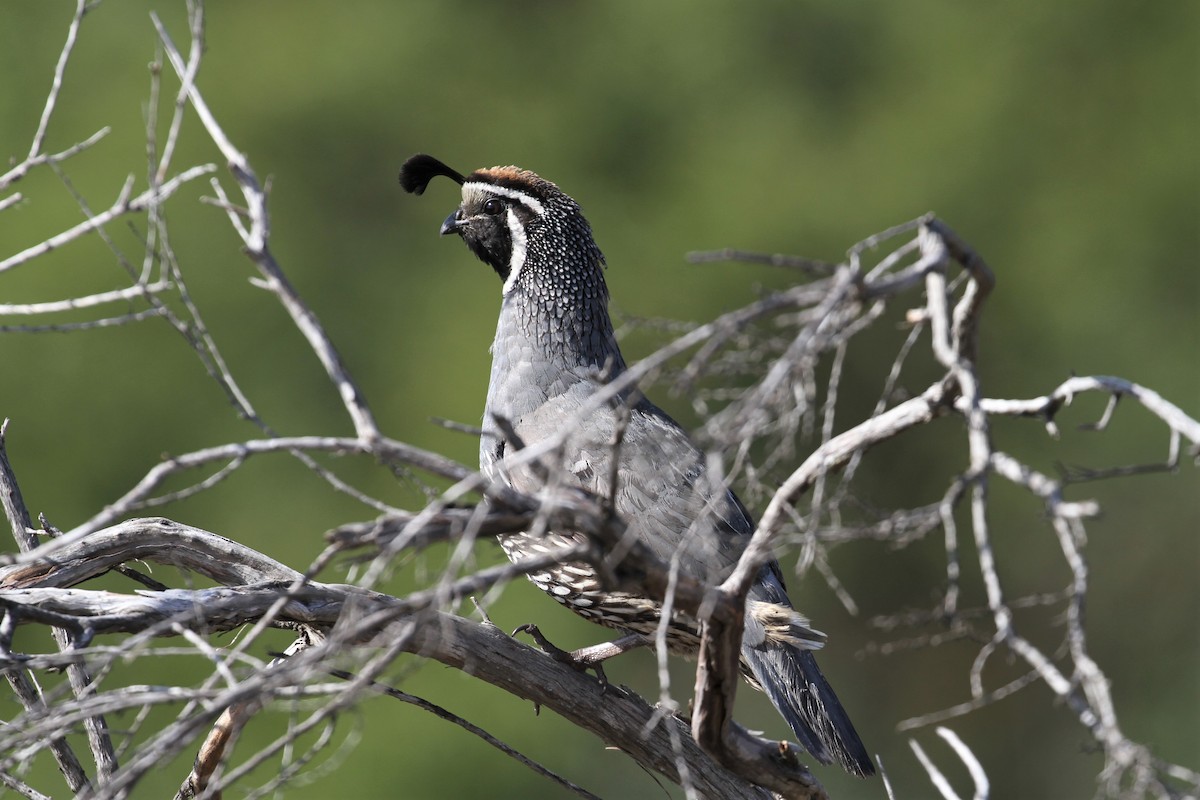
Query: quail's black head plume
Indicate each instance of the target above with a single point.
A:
(419, 170)
(553, 338)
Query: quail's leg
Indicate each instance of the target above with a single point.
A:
(597, 653)
(586, 658)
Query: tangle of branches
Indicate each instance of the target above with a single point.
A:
(765, 378)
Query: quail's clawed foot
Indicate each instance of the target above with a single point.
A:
(562, 656)
(586, 658)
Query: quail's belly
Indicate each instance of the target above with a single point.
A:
(577, 587)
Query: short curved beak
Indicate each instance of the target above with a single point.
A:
(453, 223)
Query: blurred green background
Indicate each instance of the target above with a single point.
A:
(1060, 139)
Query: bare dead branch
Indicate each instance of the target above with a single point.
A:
(35, 156)
(1048, 406)
(89, 301)
(256, 239)
(982, 785)
(123, 205)
(138, 496)
(478, 648)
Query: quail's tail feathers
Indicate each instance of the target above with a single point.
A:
(791, 679)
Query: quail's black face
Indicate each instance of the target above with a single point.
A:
(502, 207)
(495, 226)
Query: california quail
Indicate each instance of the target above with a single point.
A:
(554, 343)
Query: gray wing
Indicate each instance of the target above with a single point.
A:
(663, 490)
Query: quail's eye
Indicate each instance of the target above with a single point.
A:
(493, 206)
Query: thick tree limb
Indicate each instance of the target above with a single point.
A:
(619, 717)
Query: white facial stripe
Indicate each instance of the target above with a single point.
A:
(516, 232)
(532, 203)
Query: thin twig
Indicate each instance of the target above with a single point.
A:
(123, 205)
(471, 728)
